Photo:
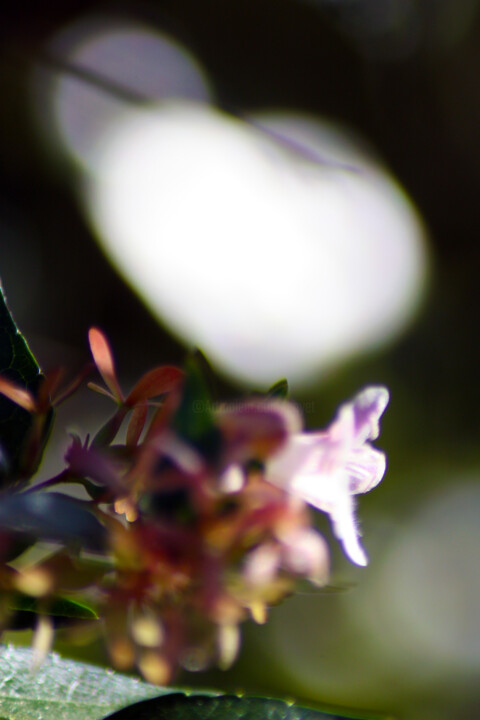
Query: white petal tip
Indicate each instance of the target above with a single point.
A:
(375, 395)
(356, 554)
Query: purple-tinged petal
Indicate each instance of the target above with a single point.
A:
(331, 494)
(341, 438)
(365, 468)
(257, 428)
(302, 454)
(313, 454)
(91, 463)
(368, 407)
(325, 469)
(310, 467)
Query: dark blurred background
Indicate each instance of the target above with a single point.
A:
(404, 75)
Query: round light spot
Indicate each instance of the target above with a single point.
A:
(278, 256)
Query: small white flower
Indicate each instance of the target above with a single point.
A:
(325, 469)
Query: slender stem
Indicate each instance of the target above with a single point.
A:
(62, 477)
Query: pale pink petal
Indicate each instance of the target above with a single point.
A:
(232, 479)
(365, 468)
(305, 552)
(341, 437)
(301, 454)
(323, 491)
(325, 469)
(262, 564)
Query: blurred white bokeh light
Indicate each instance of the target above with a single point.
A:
(268, 254)
(75, 105)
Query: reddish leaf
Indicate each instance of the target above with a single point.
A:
(136, 425)
(101, 390)
(35, 442)
(163, 415)
(103, 358)
(48, 388)
(158, 381)
(17, 394)
(72, 386)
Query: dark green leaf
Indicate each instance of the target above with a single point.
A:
(13, 544)
(62, 689)
(58, 607)
(225, 707)
(194, 420)
(107, 432)
(279, 389)
(18, 364)
(52, 516)
(65, 690)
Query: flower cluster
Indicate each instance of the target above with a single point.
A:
(197, 520)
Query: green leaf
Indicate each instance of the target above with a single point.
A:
(18, 364)
(226, 707)
(194, 420)
(66, 690)
(62, 689)
(58, 607)
(279, 389)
